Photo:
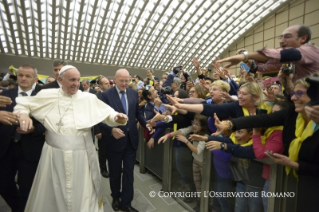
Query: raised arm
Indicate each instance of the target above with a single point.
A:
(264, 120)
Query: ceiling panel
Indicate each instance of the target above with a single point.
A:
(156, 34)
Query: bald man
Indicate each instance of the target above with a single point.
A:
(122, 141)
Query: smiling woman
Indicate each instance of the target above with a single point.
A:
(250, 98)
(301, 144)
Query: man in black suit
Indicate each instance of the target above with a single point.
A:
(104, 84)
(19, 150)
(57, 65)
(86, 87)
(122, 142)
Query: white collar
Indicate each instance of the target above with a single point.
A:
(27, 92)
(118, 90)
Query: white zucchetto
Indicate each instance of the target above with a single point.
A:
(67, 67)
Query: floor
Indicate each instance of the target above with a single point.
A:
(143, 202)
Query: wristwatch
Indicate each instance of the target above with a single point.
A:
(222, 146)
(245, 53)
(166, 119)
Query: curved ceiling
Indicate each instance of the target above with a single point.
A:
(140, 33)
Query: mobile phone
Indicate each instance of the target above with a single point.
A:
(245, 66)
(270, 153)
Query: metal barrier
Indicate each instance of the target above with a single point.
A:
(154, 159)
(159, 160)
(151, 159)
(167, 164)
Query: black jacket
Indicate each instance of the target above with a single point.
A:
(31, 143)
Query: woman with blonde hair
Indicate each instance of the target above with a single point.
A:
(300, 138)
(250, 98)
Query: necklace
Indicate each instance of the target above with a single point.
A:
(60, 123)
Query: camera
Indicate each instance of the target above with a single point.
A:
(167, 90)
(313, 90)
(177, 69)
(260, 111)
(289, 68)
(253, 68)
(209, 70)
(133, 80)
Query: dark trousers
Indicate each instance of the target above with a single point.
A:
(115, 159)
(102, 154)
(10, 164)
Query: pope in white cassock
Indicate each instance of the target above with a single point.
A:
(68, 176)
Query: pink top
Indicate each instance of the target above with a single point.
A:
(308, 64)
(273, 143)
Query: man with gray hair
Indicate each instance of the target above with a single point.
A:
(122, 142)
(86, 87)
(104, 85)
(19, 150)
(176, 84)
(67, 177)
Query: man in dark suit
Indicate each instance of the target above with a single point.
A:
(104, 85)
(57, 65)
(19, 150)
(122, 142)
(86, 87)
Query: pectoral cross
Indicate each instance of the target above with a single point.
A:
(59, 124)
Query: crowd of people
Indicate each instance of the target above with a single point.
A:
(48, 130)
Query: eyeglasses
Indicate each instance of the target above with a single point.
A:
(297, 93)
(214, 89)
(196, 124)
(241, 93)
(124, 81)
(285, 36)
(191, 91)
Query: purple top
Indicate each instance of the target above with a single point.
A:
(221, 163)
(211, 124)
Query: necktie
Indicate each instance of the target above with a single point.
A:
(17, 136)
(23, 93)
(123, 101)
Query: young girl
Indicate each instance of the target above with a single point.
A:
(199, 126)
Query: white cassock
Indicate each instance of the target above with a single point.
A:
(68, 176)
